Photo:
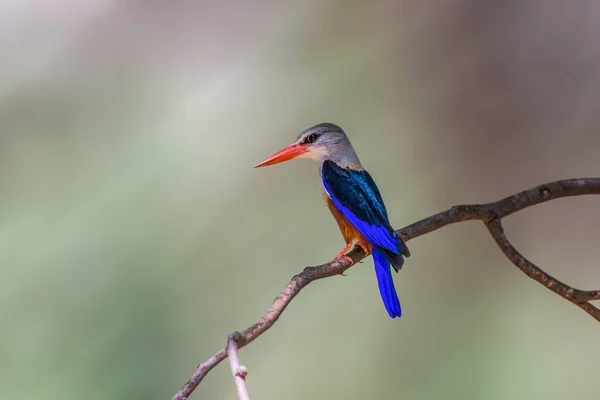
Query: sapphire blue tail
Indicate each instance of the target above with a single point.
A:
(387, 290)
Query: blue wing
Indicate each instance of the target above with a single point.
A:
(357, 197)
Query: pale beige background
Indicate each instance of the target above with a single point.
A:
(134, 233)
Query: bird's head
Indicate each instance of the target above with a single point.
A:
(320, 142)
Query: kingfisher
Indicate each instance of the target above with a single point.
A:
(355, 202)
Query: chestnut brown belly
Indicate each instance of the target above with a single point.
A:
(349, 232)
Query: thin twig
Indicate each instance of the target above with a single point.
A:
(238, 371)
(490, 214)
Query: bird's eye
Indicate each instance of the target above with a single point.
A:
(312, 138)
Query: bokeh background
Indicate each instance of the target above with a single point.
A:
(135, 234)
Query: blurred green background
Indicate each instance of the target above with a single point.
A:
(135, 234)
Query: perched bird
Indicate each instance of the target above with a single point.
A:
(354, 200)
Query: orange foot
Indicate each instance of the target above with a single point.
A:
(366, 248)
(342, 254)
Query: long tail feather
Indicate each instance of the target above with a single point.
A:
(386, 284)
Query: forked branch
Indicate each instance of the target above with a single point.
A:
(491, 215)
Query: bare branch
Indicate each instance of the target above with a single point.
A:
(238, 371)
(490, 213)
(575, 296)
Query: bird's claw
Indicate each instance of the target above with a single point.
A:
(342, 253)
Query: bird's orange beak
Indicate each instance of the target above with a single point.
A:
(286, 154)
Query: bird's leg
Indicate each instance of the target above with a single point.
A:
(342, 254)
(366, 248)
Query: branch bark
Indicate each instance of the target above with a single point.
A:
(238, 371)
(490, 214)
